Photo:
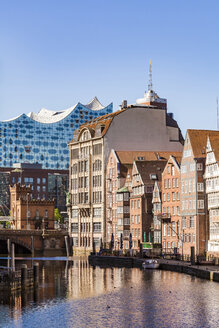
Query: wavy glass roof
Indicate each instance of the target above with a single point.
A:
(43, 137)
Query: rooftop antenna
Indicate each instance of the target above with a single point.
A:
(217, 114)
(150, 85)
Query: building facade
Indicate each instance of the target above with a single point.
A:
(171, 219)
(45, 184)
(194, 212)
(212, 191)
(43, 138)
(29, 213)
(144, 127)
(144, 176)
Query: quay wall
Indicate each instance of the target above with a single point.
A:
(175, 266)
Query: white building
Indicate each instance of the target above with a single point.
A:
(212, 190)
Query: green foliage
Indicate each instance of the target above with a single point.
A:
(7, 225)
(57, 216)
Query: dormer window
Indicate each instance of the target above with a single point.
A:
(153, 176)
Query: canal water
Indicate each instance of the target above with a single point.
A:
(74, 294)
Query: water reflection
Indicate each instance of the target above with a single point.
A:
(75, 294)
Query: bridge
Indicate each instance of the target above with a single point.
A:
(35, 242)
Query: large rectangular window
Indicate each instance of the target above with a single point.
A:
(97, 226)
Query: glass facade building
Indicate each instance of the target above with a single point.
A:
(43, 138)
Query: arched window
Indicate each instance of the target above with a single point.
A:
(46, 213)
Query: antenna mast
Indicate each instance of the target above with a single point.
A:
(150, 85)
(217, 114)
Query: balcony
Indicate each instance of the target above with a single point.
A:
(165, 217)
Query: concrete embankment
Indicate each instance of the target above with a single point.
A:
(204, 272)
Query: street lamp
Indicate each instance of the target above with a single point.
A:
(27, 212)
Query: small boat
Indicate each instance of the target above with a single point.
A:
(150, 264)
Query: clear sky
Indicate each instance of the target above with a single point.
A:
(56, 53)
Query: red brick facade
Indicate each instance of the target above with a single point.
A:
(30, 213)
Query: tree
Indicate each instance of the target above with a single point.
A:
(57, 216)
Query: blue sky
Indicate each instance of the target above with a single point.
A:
(56, 53)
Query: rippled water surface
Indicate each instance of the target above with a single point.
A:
(75, 294)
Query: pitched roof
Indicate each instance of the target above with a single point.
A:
(198, 139)
(104, 121)
(214, 140)
(146, 168)
(128, 157)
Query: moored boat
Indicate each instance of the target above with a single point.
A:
(150, 264)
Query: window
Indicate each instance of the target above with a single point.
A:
(177, 183)
(168, 230)
(173, 196)
(38, 180)
(120, 209)
(46, 213)
(44, 180)
(44, 188)
(164, 197)
(199, 167)
(200, 187)
(169, 183)
(74, 213)
(184, 222)
(97, 212)
(173, 183)
(37, 214)
(200, 204)
(164, 229)
(165, 183)
(178, 211)
(38, 188)
(173, 170)
(139, 203)
(97, 226)
(168, 197)
(74, 227)
(173, 229)
(138, 218)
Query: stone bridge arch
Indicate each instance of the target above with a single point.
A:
(17, 241)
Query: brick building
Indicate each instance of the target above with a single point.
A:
(194, 212)
(144, 176)
(118, 188)
(171, 219)
(30, 213)
(45, 183)
(145, 126)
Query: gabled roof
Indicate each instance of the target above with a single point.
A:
(146, 168)
(128, 157)
(198, 140)
(214, 141)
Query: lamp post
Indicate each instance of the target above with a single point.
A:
(27, 212)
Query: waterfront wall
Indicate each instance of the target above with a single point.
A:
(182, 267)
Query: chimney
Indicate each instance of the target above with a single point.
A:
(124, 104)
